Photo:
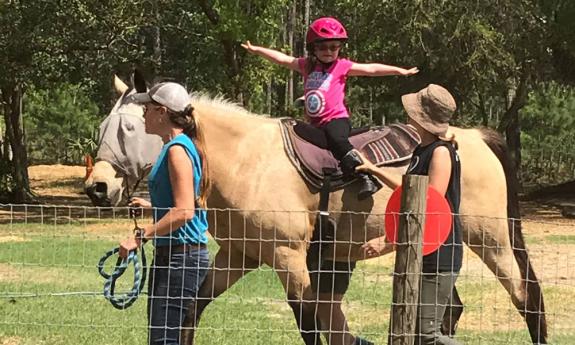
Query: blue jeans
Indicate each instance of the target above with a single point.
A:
(174, 282)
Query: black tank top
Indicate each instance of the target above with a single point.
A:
(449, 256)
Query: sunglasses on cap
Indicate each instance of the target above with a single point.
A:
(331, 47)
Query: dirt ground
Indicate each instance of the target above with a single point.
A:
(59, 184)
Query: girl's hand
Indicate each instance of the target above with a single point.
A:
(249, 47)
(127, 245)
(408, 72)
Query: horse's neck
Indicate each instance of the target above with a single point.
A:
(238, 145)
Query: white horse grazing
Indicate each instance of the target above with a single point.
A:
(251, 173)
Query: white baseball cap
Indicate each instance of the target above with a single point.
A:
(171, 95)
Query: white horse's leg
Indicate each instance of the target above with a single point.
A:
(229, 266)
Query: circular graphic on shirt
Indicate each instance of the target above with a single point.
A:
(314, 103)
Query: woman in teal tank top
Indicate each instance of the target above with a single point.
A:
(178, 185)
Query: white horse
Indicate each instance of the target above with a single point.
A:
(276, 210)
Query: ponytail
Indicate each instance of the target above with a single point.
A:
(193, 130)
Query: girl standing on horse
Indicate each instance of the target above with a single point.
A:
(429, 111)
(325, 74)
(179, 186)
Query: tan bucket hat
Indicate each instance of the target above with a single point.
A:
(431, 108)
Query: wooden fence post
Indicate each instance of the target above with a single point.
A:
(408, 260)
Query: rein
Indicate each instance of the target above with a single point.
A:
(125, 300)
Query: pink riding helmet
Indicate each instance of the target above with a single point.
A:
(326, 28)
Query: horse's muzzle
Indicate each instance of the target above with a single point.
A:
(98, 193)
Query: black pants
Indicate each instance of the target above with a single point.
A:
(337, 134)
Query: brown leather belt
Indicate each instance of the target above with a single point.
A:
(179, 248)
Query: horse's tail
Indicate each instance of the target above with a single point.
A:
(534, 309)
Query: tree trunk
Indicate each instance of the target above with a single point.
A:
(157, 41)
(12, 97)
(511, 125)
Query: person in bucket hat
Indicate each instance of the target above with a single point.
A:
(430, 111)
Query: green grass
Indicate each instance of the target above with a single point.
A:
(48, 259)
(561, 239)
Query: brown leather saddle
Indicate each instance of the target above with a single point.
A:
(306, 146)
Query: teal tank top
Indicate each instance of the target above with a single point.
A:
(194, 231)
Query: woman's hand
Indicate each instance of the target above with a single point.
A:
(139, 202)
(136, 205)
(127, 245)
(376, 247)
(367, 166)
(249, 47)
(408, 72)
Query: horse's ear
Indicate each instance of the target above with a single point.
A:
(139, 81)
(119, 85)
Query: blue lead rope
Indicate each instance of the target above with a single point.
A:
(125, 300)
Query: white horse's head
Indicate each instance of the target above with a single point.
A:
(125, 151)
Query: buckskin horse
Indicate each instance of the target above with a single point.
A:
(274, 209)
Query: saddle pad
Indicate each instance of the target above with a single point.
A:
(387, 145)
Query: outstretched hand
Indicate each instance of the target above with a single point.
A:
(411, 71)
(249, 47)
(367, 166)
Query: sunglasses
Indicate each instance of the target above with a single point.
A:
(150, 106)
(331, 47)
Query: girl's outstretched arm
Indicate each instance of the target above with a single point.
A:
(273, 56)
(379, 70)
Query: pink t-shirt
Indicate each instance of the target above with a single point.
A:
(325, 91)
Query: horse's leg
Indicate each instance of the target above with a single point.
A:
(228, 267)
(290, 266)
(504, 262)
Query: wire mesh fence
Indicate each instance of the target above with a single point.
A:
(51, 293)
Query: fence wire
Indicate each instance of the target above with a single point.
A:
(51, 293)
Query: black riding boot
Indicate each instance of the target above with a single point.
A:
(370, 184)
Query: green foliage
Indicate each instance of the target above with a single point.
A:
(480, 50)
(547, 134)
(60, 124)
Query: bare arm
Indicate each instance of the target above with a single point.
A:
(379, 70)
(273, 56)
(440, 169)
(392, 181)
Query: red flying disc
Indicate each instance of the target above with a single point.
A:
(438, 219)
